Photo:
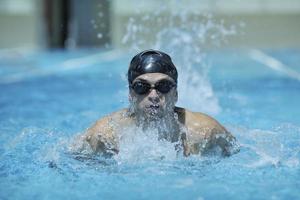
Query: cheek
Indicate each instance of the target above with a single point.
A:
(134, 99)
(168, 96)
(168, 101)
(171, 98)
(140, 102)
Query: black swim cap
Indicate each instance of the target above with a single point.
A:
(151, 61)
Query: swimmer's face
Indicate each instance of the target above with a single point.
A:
(153, 95)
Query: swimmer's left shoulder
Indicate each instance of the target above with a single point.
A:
(202, 126)
(204, 121)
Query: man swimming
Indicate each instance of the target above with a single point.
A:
(152, 79)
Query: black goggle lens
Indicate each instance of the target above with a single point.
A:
(143, 88)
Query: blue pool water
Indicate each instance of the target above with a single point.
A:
(48, 98)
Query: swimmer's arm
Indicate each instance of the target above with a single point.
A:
(205, 140)
(101, 137)
(225, 140)
(208, 134)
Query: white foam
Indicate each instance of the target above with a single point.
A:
(269, 148)
(137, 145)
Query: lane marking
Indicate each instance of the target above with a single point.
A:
(70, 64)
(273, 63)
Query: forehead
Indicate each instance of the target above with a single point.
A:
(153, 77)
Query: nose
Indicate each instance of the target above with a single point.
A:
(153, 96)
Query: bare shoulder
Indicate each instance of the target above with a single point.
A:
(206, 133)
(105, 123)
(203, 123)
(101, 135)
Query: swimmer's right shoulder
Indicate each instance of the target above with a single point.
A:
(101, 135)
(107, 122)
(117, 117)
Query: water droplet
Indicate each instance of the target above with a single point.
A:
(100, 14)
(99, 35)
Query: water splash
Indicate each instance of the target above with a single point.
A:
(185, 35)
(137, 145)
(269, 148)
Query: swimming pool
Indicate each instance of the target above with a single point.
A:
(47, 98)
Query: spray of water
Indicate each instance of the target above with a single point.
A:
(138, 145)
(185, 35)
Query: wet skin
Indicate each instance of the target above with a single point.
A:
(197, 133)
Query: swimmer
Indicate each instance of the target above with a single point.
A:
(152, 79)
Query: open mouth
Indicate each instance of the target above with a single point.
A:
(153, 109)
(154, 106)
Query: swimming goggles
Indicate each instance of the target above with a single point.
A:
(163, 87)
